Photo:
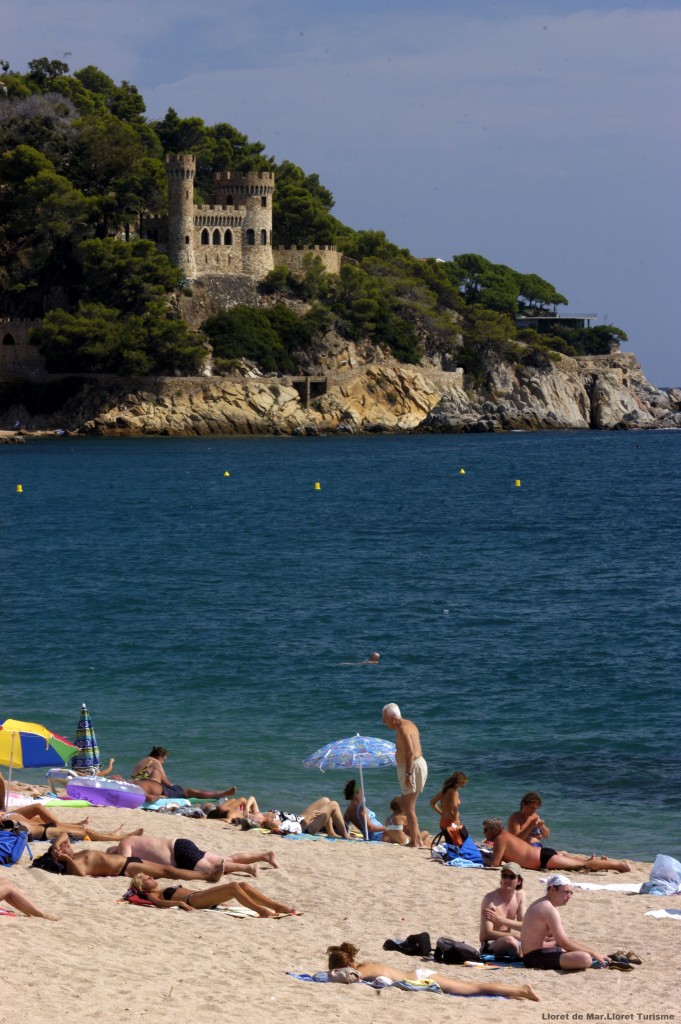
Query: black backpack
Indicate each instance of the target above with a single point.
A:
(448, 951)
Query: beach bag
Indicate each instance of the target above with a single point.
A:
(468, 850)
(12, 845)
(47, 863)
(448, 951)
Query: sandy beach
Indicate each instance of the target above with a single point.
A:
(113, 962)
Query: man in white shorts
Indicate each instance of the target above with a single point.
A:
(412, 770)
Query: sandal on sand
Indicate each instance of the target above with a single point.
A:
(619, 963)
(633, 958)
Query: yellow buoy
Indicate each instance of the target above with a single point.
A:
(226, 473)
(20, 489)
(462, 472)
(517, 483)
(317, 486)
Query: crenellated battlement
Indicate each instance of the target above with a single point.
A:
(305, 248)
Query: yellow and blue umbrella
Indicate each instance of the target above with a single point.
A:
(354, 752)
(29, 745)
(87, 757)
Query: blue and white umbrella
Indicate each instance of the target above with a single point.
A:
(354, 752)
(87, 758)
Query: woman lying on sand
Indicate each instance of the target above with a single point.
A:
(42, 824)
(344, 956)
(16, 899)
(232, 811)
(207, 899)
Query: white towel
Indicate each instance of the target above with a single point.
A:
(664, 913)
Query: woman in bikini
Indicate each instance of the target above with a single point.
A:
(446, 803)
(343, 956)
(359, 814)
(41, 824)
(206, 899)
(394, 824)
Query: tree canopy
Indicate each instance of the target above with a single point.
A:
(80, 164)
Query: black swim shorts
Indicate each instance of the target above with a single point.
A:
(187, 854)
(547, 959)
(545, 855)
(173, 791)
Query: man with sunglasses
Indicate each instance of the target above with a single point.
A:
(546, 945)
(501, 915)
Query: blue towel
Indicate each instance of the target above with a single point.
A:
(407, 986)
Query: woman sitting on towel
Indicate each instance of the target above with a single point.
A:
(447, 803)
(343, 956)
(358, 814)
(208, 899)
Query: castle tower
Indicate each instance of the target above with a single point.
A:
(253, 191)
(180, 171)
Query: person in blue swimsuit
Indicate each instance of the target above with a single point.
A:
(358, 814)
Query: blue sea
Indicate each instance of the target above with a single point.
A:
(203, 594)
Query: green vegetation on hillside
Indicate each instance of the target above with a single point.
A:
(80, 162)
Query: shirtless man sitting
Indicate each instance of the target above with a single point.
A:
(501, 914)
(183, 853)
(506, 847)
(149, 774)
(97, 864)
(545, 944)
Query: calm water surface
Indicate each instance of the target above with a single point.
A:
(531, 631)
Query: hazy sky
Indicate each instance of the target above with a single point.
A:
(543, 134)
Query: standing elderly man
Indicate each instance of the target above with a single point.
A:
(542, 922)
(412, 770)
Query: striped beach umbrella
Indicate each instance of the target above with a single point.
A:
(87, 756)
(29, 745)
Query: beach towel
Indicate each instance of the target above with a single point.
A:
(632, 887)
(7, 913)
(676, 914)
(467, 855)
(408, 986)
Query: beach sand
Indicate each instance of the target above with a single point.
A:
(110, 962)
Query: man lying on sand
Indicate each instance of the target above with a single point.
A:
(109, 865)
(508, 847)
(208, 899)
(16, 899)
(343, 956)
(150, 776)
(542, 922)
(183, 853)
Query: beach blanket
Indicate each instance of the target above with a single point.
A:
(138, 901)
(676, 914)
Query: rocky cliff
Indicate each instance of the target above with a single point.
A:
(361, 391)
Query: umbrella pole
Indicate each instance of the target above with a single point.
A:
(9, 774)
(361, 782)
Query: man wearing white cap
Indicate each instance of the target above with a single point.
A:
(542, 922)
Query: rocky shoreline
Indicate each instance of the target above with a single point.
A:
(363, 393)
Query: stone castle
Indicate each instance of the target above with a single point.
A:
(226, 245)
(233, 234)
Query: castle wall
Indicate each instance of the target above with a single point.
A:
(294, 257)
(18, 358)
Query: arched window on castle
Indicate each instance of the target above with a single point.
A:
(205, 237)
(217, 237)
(8, 340)
(186, 239)
(228, 237)
(230, 200)
(250, 237)
(263, 237)
(263, 200)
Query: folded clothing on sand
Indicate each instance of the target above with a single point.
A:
(676, 914)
